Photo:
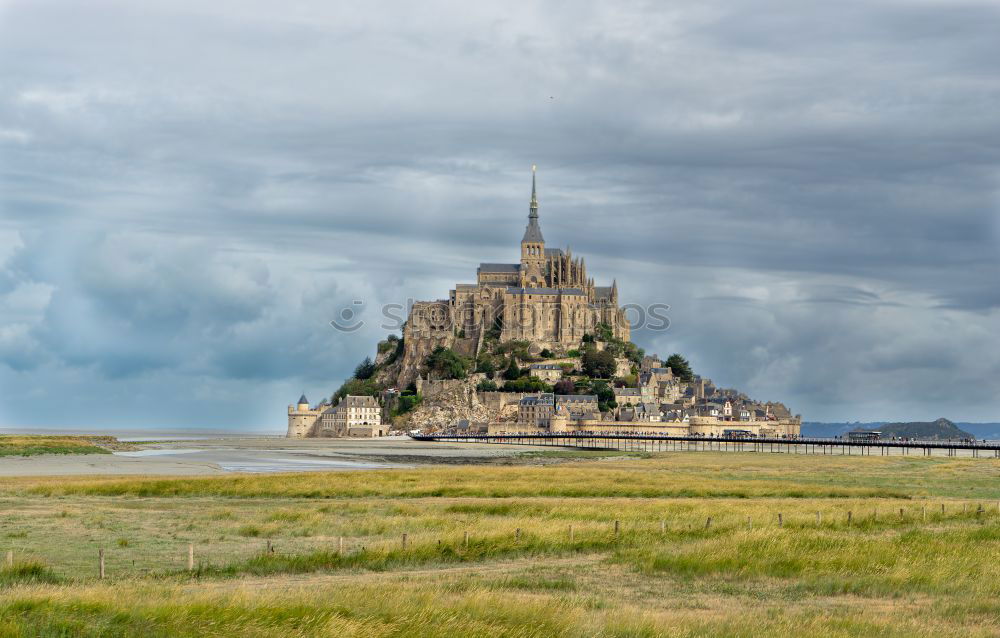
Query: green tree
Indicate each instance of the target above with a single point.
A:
(487, 385)
(512, 372)
(486, 366)
(406, 403)
(445, 363)
(604, 332)
(634, 352)
(599, 364)
(515, 347)
(365, 369)
(526, 384)
(356, 387)
(605, 396)
(680, 367)
(564, 386)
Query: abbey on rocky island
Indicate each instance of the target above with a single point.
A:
(534, 346)
(547, 299)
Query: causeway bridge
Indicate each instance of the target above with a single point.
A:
(663, 443)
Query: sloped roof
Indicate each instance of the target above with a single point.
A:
(499, 267)
(533, 233)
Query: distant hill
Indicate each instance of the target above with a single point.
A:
(932, 430)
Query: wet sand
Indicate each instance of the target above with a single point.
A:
(260, 454)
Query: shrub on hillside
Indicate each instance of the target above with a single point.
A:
(486, 385)
(526, 384)
(605, 396)
(512, 372)
(406, 403)
(564, 386)
(445, 363)
(599, 364)
(356, 387)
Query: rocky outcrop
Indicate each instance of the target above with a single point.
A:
(456, 402)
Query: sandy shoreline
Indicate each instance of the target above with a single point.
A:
(226, 455)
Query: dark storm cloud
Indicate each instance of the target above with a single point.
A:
(190, 193)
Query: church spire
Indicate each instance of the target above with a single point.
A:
(533, 208)
(533, 234)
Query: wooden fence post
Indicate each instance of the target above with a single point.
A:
(190, 557)
(708, 523)
(100, 563)
(340, 545)
(749, 523)
(923, 513)
(663, 526)
(850, 515)
(942, 509)
(404, 542)
(901, 513)
(466, 539)
(781, 521)
(616, 528)
(571, 533)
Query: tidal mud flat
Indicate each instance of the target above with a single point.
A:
(261, 454)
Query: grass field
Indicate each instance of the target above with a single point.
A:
(15, 445)
(863, 547)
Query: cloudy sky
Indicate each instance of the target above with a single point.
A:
(191, 191)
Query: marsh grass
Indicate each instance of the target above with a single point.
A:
(482, 482)
(26, 573)
(518, 606)
(665, 475)
(833, 561)
(17, 445)
(666, 571)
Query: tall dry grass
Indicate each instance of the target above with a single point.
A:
(843, 560)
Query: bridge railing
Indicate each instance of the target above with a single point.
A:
(835, 442)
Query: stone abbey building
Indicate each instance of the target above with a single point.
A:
(547, 299)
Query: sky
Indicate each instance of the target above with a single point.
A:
(191, 191)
